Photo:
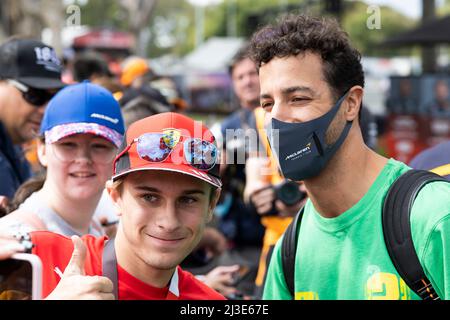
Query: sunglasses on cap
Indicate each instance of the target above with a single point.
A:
(157, 147)
(35, 97)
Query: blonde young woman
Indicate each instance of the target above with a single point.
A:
(80, 135)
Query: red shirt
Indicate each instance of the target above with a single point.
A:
(55, 250)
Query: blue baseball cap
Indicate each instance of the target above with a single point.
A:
(83, 108)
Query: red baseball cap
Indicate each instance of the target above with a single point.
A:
(178, 131)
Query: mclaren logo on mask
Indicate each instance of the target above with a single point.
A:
(300, 153)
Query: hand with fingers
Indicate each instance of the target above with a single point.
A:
(222, 278)
(9, 246)
(76, 285)
(288, 211)
(263, 199)
(213, 242)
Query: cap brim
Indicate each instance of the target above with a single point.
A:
(69, 129)
(42, 83)
(180, 168)
(100, 135)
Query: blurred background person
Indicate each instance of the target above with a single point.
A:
(139, 80)
(404, 102)
(144, 97)
(238, 221)
(276, 199)
(142, 106)
(435, 159)
(440, 106)
(30, 74)
(92, 66)
(168, 88)
(136, 72)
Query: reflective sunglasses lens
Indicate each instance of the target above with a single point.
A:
(200, 154)
(152, 147)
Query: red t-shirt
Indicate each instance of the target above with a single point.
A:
(55, 250)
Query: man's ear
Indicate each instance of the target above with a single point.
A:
(213, 203)
(115, 196)
(42, 150)
(354, 100)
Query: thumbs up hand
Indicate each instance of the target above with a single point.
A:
(75, 285)
(76, 263)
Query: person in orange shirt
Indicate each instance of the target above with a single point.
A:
(276, 199)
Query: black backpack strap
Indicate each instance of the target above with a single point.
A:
(288, 250)
(397, 230)
(109, 265)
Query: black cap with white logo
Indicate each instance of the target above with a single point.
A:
(30, 62)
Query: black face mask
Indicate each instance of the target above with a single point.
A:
(301, 149)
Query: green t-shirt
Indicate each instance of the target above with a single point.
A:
(346, 257)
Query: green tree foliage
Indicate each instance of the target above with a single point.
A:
(444, 9)
(167, 26)
(172, 28)
(354, 21)
(368, 40)
(249, 15)
(173, 22)
(103, 13)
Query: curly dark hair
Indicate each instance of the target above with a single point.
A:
(295, 34)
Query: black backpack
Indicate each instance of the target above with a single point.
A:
(396, 229)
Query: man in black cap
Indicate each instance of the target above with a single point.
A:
(30, 74)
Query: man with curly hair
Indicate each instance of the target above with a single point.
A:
(312, 84)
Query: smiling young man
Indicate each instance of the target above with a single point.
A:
(312, 85)
(30, 74)
(165, 187)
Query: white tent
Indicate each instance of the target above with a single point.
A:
(214, 55)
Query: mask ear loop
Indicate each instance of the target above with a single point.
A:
(321, 148)
(318, 144)
(344, 132)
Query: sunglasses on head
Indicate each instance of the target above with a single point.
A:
(156, 147)
(35, 97)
